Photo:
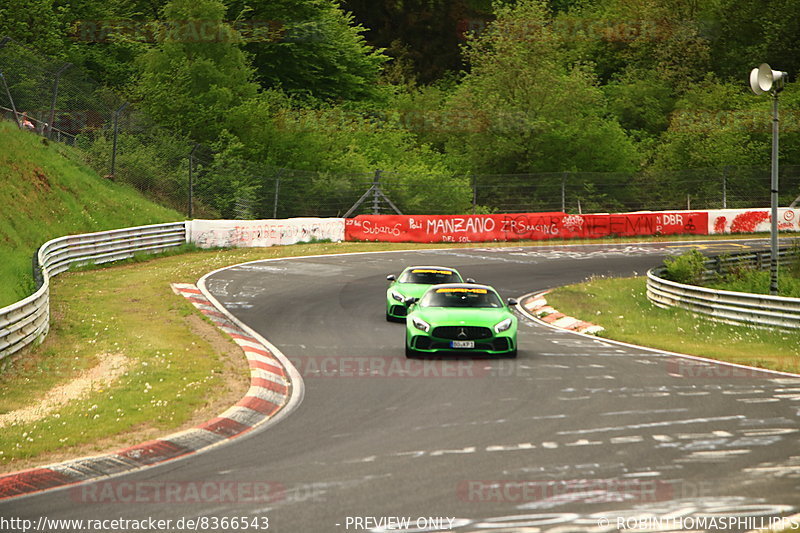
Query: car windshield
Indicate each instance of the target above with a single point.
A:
(429, 276)
(461, 297)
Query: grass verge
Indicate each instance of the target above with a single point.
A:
(621, 306)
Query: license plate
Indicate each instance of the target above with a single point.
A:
(462, 344)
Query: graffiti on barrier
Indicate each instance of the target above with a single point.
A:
(262, 233)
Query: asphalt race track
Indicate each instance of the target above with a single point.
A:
(571, 436)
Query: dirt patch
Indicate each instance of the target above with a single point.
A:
(235, 382)
(100, 376)
(40, 180)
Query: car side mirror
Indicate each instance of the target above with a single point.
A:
(512, 301)
(470, 280)
(411, 300)
(391, 277)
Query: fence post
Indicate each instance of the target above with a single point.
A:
(52, 116)
(376, 193)
(474, 193)
(10, 99)
(3, 42)
(725, 187)
(114, 145)
(277, 189)
(191, 180)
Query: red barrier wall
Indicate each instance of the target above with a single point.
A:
(520, 226)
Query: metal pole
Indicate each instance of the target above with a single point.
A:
(4, 41)
(474, 194)
(773, 267)
(275, 205)
(376, 193)
(191, 180)
(53, 101)
(359, 201)
(13, 107)
(725, 187)
(564, 192)
(114, 146)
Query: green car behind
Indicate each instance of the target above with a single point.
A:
(461, 318)
(412, 283)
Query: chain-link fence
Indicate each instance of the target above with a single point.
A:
(60, 101)
(591, 192)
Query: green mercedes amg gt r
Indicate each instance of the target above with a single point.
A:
(412, 283)
(461, 318)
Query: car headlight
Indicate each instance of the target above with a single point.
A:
(421, 324)
(503, 326)
(397, 296)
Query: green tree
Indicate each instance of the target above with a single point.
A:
(668, 40)
(422, 35)
(106, 38)
(193, 78)
(308, 48)
(525, 109)
(746, 33)
(336, 150)
(715, 124)
(640, 102)
(32, 22)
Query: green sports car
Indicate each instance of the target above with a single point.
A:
(412, 283)
(461, 318)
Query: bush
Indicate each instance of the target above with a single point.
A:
(687, 268)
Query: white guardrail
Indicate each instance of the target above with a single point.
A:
(28, 320)
(727, 306)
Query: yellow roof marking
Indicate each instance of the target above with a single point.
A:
(462, 289)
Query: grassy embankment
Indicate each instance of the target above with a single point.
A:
(47, 192)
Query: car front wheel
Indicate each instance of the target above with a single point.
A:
(411, 353)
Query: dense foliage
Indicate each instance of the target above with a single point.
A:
(431, 91)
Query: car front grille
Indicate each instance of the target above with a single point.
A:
(462, 333)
